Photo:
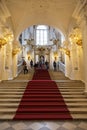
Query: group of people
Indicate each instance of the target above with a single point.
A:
(40, 64)
(25, 68)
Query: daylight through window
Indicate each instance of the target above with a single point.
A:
(41, 35)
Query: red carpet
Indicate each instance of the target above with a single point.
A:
(42, 100)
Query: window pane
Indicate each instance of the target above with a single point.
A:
(41, 27)
(45, 37)
(41, 35)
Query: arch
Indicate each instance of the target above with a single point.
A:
(40, 12)
(60, 30)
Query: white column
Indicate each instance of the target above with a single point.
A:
(16, 48)
(80, 63)
(74, 62)
(67, 66)
(0, 65)
(3, 63)
(9, 60)
(14, 65)
(34, 57)
(51, 59)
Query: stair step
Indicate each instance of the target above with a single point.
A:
(40, 91)
(33, 104)
(81, 105)
(79, 116)
(19, 96)
(78, 110)
(9, 104)
(6, 116)
(31, 99)
(40, 116)
(42, 102)
(72, 93)
(11, 89)
(76, 104)
(46, 99)
(68, 87)
(72, 110)
(11, 93)
(31, 109)
(36, 92)
(76, 100)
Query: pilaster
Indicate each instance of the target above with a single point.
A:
(3, 60)
(74, 62)
(84, 33)
(9, 60)
(14, 65)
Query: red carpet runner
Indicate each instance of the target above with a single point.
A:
(42, 100)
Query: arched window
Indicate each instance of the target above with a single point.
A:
(41, 35)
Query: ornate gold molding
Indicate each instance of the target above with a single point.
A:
(76, 36)
(15, 51)
(2, 42)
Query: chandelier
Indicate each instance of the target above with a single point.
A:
(76, 37)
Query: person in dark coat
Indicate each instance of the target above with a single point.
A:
(54, 65)
(31, 63)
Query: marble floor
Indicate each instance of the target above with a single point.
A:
(43, 125)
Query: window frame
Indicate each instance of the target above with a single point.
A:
(42, 31)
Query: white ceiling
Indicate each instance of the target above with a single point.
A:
(56, 13)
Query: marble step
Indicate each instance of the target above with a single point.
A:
(70, 81)
(64, 81)
(79, 116)
(13, 84)
(18, 99)
(10, 116)
(72, 110)
(12, 87)
(9, 105)
(71, 93)
(11, 93)
(11, 90)
(65, 96)
(69, 104)
(70, 87)
(22, 87)
(71, 90)
(22, 90)
(77, 104)
(7, 116)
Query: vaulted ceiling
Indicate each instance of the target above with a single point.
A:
(56, 13)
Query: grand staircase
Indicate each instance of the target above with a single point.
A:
(11, 93)
(42, 100)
